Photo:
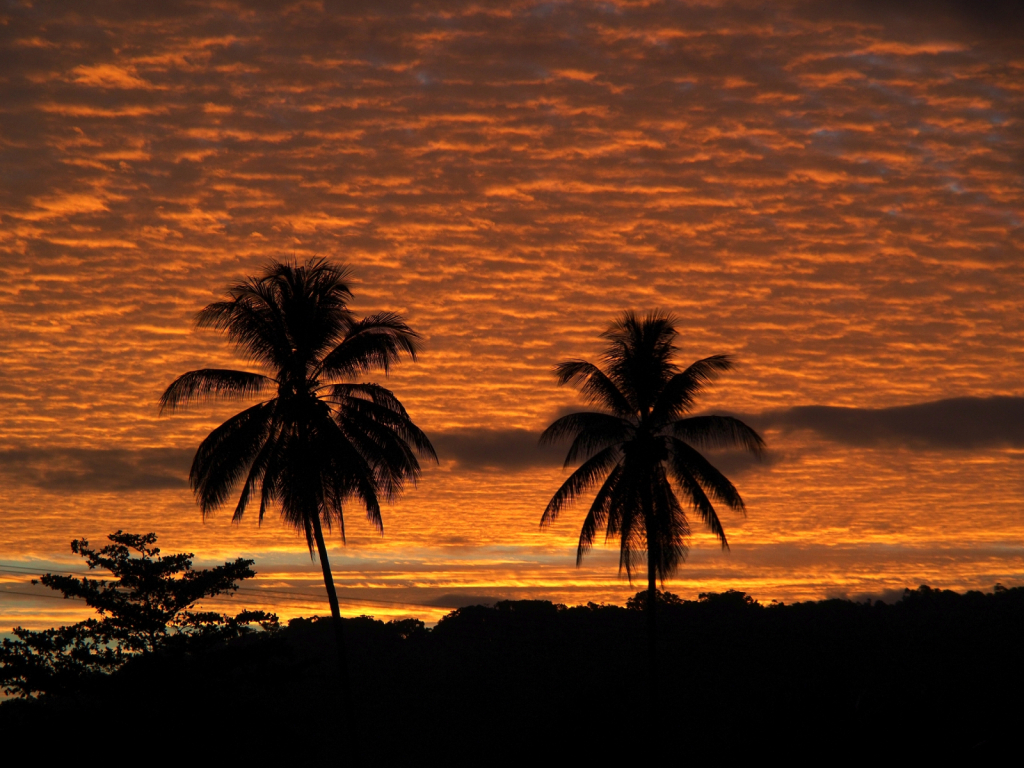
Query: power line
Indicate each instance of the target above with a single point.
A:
(19, 568)
(271, 597)
(319, 598)
(251, 588)
(273, 601)
(302, 597)
(33, 594)
(291, 595)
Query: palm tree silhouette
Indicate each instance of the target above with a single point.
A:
(642, 449)
(316, 440)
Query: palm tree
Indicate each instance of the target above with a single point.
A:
(642, 449)
(315, 440)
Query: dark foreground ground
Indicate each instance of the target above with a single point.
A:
(524, 682)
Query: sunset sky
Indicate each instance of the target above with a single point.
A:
(833, 193)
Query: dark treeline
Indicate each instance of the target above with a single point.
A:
(524, 680)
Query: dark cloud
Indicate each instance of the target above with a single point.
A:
(735, 463)
(956, 19)
(961, 423)
(83, 469)
(496, 448)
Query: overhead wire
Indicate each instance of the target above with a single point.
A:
(277, 595)
(25, 568)
(33, 594)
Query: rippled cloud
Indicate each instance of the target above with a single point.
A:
(803, 189)
(829, 192)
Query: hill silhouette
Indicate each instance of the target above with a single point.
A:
(935, 672)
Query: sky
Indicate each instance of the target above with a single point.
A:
(830, 193)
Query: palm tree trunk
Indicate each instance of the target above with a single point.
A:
(339, 630)
(652, 542)
(652, 635)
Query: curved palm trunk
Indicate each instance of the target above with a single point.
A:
(339, 630)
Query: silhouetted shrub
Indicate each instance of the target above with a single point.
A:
(146, 608)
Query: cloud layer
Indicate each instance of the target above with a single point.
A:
(955, 424)
(819, 191)
(76, 470)
(510, 449)
(830, 192)
(959, 424)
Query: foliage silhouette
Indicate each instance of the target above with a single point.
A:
(642, 448)
(641, 600)
(318, 440)
(148, 607)
(936, 672)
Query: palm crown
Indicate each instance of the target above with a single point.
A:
(319, 439)
(643, 447)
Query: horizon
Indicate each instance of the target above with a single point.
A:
(831, 196)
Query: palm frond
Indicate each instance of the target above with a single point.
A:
(301, 490)
(383, 407)
(334, 502)
(667, 530)
(632, 542)
(366, 490)
(594, 385)
(390, 458)
(626, 511)
(638, 358)
(253, 323)
(383, 435)
(590, 432)
(227, 452)
(209, 383)
(579, 482)
(257, 472)
(270, 483)
(376, 342)
(680, 392)
(685, 458)
(712, 432)
(597, 515)
(348, 472)
(702, 505)
(375, 393)
(313, 300)
(289, 313)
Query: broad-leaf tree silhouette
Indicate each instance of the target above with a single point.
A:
(145, 608)
(316, 439)
(642, 449)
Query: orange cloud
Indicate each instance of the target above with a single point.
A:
(831, 194)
